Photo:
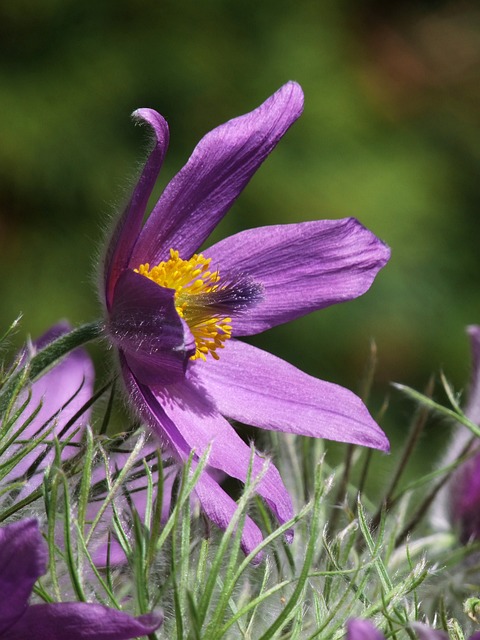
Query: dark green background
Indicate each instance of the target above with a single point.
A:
(390, 134)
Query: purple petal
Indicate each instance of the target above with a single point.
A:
(145, 325)
(188, 413)
(362, 630)
(128, 227)
(255, 387)
(463, 491)
(63, 392)
(221, 165)
(302, 267)
(80, 621)
(472, 410)
(23, 559)
(464, 496)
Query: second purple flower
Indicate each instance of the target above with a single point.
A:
(175, 314)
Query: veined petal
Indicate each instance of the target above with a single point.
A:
(144, 324)
(62, 393)
(358, 629)
(257, 388)
(80, 621)
(23, 559)
(302, 267)
(219, 168)
(128, 226)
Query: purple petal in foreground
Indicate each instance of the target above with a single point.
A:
(301, 267)
(128, 227)
(272, 394)
(219, 168)
(23, 559)
(80, 621)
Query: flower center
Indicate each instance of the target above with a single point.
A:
(201, 299)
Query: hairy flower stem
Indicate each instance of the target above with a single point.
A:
(61, 346)
(414, 435)
(342, 493)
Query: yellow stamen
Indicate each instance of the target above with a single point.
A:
(192, 279)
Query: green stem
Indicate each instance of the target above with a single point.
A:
(61, 346)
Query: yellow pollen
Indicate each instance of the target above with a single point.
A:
(192, 279)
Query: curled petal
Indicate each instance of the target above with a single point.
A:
(255, 387)
(145, 326)
(301, 267)
(219, 168)
(80, 621)
(128, 227)
(23, 559)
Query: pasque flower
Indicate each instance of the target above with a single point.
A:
(54, 406)
(175, 315)
(23, 559)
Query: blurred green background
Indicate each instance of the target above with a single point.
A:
(390, 134)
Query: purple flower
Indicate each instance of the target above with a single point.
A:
(23, 559)
(175, 315)
(55, 409)
(464, 486)
(364, 630)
